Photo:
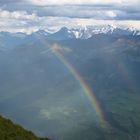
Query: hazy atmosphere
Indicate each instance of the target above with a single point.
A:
(70, 70)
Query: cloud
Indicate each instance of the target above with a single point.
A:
(81, 12)
(16, 15)
(8, 1)
(29, 16)
(123, 3)
(96, 12)
(97, 9)
(104, 12)
(77, 2)
(111, 14)
(18, 21)
(22, 21)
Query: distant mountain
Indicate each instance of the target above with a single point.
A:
(11, 131)
(89, 31)
(63, 34)
(9, 40)
(16, 39)
(39, 84)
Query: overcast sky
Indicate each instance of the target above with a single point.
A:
(32, 15)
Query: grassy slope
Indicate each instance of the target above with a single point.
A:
(11, 131)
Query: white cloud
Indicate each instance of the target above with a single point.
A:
(131, 2)
(111, 14)
(18, 21)
(83, 2)
(21, 21)
(80, 12)
(16, 15)
(65, 2)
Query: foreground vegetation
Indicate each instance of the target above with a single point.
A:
(11, 131)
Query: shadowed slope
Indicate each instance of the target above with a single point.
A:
(11, 131)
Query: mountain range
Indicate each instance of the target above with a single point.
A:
(66, 33)
(89, 31)
(40, 87)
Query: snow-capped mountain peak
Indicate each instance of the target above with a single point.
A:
(84, 32)
(89, 31)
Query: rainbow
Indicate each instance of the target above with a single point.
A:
(87, 90)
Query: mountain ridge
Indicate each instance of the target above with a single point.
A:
(89, 31)
(78, 32)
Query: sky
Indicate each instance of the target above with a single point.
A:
(34, 15)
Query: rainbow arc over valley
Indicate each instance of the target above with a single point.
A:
(55, 49)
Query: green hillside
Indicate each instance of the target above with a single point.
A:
(11, 131)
